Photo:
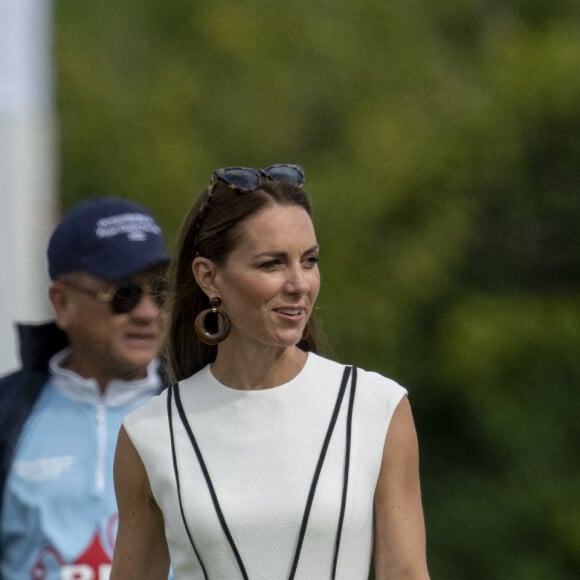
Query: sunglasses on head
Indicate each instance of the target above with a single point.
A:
(245, 179)
(123, 298)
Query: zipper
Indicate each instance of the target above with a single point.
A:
(101, 448)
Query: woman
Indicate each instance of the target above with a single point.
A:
(265, 461)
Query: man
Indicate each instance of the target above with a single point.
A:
(61, 412)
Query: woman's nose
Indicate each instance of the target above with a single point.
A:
(297, 281)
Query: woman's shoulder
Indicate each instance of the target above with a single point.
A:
(366, 379)
(154, 408)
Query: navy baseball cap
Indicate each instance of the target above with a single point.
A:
(108, 237)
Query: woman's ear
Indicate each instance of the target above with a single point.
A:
(204, 272)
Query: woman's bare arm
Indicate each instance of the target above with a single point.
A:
(400, 545)
(141, 549)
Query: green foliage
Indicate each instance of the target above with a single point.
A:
(442, 148)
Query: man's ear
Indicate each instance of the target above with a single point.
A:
(204, 272)
(60, 304)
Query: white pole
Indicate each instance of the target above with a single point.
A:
(28, 196)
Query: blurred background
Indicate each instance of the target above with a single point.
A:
(441, 143)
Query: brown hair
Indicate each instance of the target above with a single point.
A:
(210, 230)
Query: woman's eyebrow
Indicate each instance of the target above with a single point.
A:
(280, 254)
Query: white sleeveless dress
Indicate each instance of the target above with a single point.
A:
(260, 449)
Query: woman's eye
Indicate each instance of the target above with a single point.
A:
(270, 264)
(312, 261)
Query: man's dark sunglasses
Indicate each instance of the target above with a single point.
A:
(124, 298)
(245, 179)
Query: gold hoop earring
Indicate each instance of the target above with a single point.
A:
(223, 331)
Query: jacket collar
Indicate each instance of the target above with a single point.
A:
(118, 393)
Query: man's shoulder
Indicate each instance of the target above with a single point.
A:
(20, 389)
(11, 381)
(22, 376)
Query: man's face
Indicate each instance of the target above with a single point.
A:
(106, 345)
